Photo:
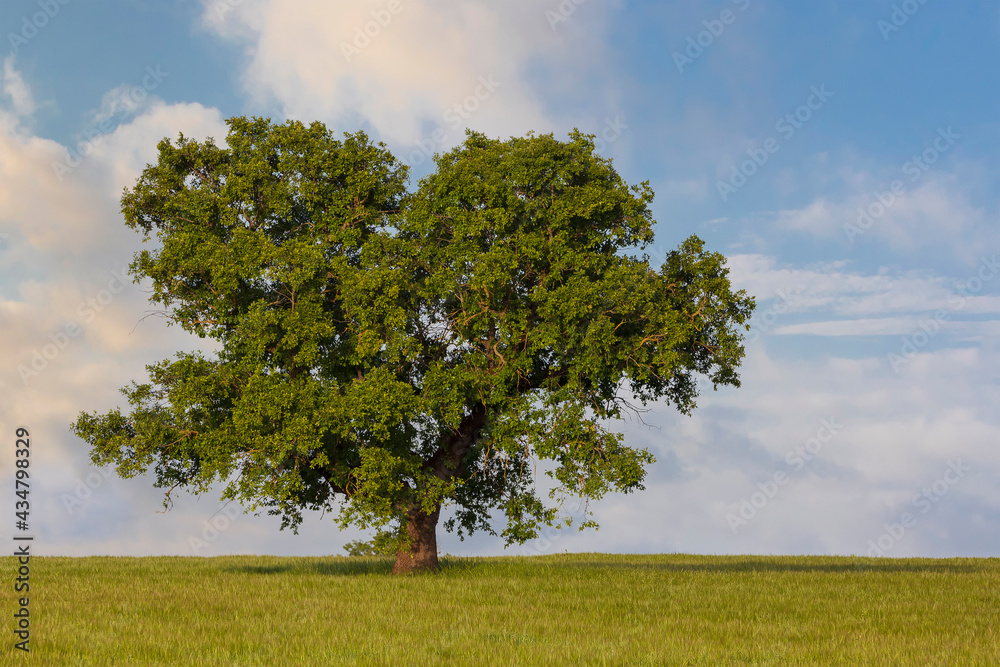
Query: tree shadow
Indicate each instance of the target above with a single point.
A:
(382, 565)
(338, 567)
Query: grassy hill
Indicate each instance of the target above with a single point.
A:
(593, 609)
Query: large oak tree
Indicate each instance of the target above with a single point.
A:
(386, 354)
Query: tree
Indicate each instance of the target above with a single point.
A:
(382, 545)
(383, 353)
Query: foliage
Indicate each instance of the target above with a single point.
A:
(361, 548)
(384, 353)
(383, 544)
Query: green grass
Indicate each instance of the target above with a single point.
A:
(591, 609)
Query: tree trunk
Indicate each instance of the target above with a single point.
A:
(423, 554)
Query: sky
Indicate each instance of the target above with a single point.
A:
(843, 156)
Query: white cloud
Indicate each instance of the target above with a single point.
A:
(33, 204)
(819, 217)
(68, 311)
(126, 151)
(829, 290)
(17, 89)
(934, 212)
(885, 326)
(61, 199)
(414, 66)
(896, 435)
(119, 101)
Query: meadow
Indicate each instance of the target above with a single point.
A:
(566, 609)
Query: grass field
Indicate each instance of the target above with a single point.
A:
(591, 609)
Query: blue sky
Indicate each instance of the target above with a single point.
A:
(845, 156)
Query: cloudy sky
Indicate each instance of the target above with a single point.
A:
(845, 156)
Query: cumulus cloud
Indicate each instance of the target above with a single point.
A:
(34, 205)
(895, 436)
(69, 312)
(898, 431)
(124, 153)
(409, 67)
(60, 198)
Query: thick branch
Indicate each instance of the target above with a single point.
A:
(447, 460)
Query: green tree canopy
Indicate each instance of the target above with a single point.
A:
(384, 354)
